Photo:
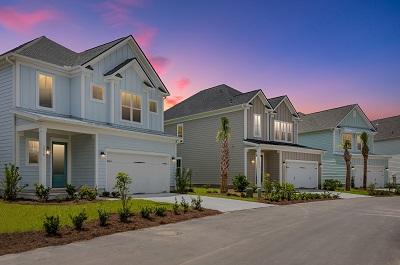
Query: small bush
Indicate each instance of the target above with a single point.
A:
(42, 192)
(51, 224)
(185, 205)
(371, 189)
(268, 185)
(196, 203)
(124, 214)
(71, 191)
(183, 180)
(10, 183)
(391, 186)
(240, 183)
(86, 193)
(103, 216)
(145, 212)
(175, 207)
(106, 194)
(78, 220)
(160, 211)
(115, 194)
(332, 184)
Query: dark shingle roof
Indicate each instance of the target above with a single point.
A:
(323, 120)
(388, 128)
(275, 101)
(50, 51)
(213, 98)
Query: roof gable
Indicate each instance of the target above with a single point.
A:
(278, 101)
(356, 118)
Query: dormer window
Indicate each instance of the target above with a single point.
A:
(131, 107)
(257, 125)
(45, 91)
(283, 131)
(97, 93)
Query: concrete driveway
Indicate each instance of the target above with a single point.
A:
(357, 231)
(220, 204)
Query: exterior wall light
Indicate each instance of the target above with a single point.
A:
(387, 169)
(352, 168)
(47, 150)
(103, 154)
(252, 161)
(173, 159)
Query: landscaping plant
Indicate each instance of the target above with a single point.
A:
(240, 183)
(332, 184)
(175, 207)
(223, 136)
(196, 203)
(160, 211)
(371, 189)
(106, 194)
(10, 183)
(42, 192)
(347, 159)
(51, 224)
(183, 180)
(103, 216)
(268, 185)
(365, 151)
(86, 193)
(185, 205)
(71, 191)
(78, 220)
(123, 181)
(145, 212)
(115, 194)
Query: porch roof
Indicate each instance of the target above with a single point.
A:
(43, 115)
(283, 144)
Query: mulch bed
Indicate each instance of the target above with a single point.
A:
(294, 202)
(19, 242)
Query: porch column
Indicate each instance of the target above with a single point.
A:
(258, 167)
(280, 166)
(42, 155)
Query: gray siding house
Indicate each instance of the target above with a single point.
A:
(387, 141)
(328, 129)
(80, 118)
(263, 138)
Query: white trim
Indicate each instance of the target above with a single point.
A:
(285, 148)
(132, 93)
(362, 115)
(83, 96)
(245, 123)
(42, 156)
(53, 91)
(126, 151)
(17, 84)
(27, 151)
(246, 150)
(162, 114)
(151, 112)
(26, 127)
(254, 125)
(96, 163)
(258, 167)
(69, 157)
(268, 127)
(183, 133)
(92, 84)
(306, 162)
(280, 167)
(263, 98)
(112, 101)
(288, 104)
(17, 149)
(42, 65)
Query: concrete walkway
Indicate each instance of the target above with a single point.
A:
(220, 204)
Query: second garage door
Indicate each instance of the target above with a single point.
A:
(302, 174)
(149, 173)
(375, 175)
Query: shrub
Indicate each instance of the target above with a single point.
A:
(86, 193)
(185, 205)
(122, 187)
(103, 216)
(332, 184)
(183, 179)
(115, 194)
(391, 186)
(71, 191)
(175, 207)
(10, 183)
(124, 214)
(371, 189)
(106, 194)
(79, 219)
(196, 203)
(240, 183)
(51, 224)
(397, 190)
(42, 192)
(145, 212)
(160, 211)
(267, 183)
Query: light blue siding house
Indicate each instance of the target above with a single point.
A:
(328, 129)
(80, 118)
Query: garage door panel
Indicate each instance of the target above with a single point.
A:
(375, 175)
(302, 174)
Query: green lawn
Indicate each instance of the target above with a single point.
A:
(203, 192)
(16, 217)
(354, 191)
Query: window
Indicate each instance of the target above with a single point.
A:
(97, 93)
(32, 152)
(131, 107)
(179, 130)
(45, 91)
(153, 106)
(345, 137)
(359, 142)
(283, 131)
(257, 125)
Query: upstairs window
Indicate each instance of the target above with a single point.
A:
(257, 125)
(153, 106)
(32, 152)
(347, 137)
(97, 93)
(283, 131)
(45, 91)
(131, 107)
(179, 130)
(359, 142)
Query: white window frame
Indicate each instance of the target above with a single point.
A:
(27, 152)
(255, 129)
(91, 93)
(358, 138)
(155, 101)
(53, 94)
(177, 130)
(286, 128)
(131, 107)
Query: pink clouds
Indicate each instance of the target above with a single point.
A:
(116, 12)
(182, 83)
(145, 36)
(172, 100)
(23, 22)
(159, 63)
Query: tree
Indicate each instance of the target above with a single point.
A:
(223, 135)
(347, 159)
(365, 151)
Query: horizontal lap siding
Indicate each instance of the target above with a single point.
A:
(7, 135)
(200, 151)
(29, 173)
(83, 160)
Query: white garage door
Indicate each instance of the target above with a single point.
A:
(375, 175)
(149, 173)
(302, 174)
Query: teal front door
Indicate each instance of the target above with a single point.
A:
(59, 165)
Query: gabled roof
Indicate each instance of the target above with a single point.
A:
(276, 101)
(387, 128)
(323, 120)
(214, 98)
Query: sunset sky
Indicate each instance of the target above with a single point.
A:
(322, 54)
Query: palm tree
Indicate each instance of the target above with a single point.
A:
(223, 135)
(347, 159)
(365, 151)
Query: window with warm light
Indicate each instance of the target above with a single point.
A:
(153, 106)
(97, 93)
(131, 107)
(347, 137)
(32, 152)
(45, 87)
(179, 130)
(283, 131)
(257, 125)
(359, 142)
